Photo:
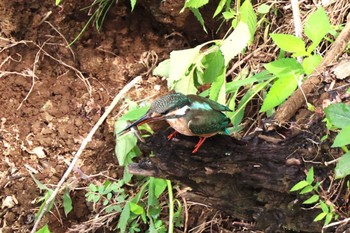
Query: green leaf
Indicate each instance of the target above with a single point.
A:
(186, 85)
(125, 143)
(124, 217)
(133, 3)
(248, 16)
(279, 92)
(215, 66)
(264, 8)
(58, 2)
(134, 114)
(314, 198)
(300, 185)
(160, 186)
(194, 4)
(343, 137)
(67, 203)
(328, 219)
(44, 229)
(180, 61)
(310, 63)
(310, 175)
(235, 42)
(289, 43)
(338, 114)
(285, 67)
(217, 89)
(199, 17)
(343, 166)
(324, 207)
(317, 26)
(136, 209)
(219, 8)
(163, 69)
(320, 217)
(242, 35)
(307, 189)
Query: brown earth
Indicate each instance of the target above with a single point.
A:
(51, 96)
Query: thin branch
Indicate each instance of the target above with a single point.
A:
(82, 147)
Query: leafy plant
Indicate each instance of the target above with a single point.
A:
(67, 201)
(288, 72)
(338, 119)
(310, 186)
(110, 194)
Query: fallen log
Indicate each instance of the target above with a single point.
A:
(249, 180)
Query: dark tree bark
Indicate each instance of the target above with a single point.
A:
(248, 180)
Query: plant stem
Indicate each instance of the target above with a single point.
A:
(171, 207)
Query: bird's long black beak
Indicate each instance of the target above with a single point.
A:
(145, 119)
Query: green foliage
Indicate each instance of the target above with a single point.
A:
(338, 119)
(98, 17)
(308, 186)
(58, 2)
(110, 195)
(287, 70)
(44, 229)
(143, 207)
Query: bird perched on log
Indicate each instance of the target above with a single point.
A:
(190, 115)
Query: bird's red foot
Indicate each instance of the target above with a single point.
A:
(196, 147)
(172, 135)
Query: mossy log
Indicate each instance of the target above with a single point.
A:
(249, 180)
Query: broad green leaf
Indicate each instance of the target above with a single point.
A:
(163, 69)
(279, 92)
(328, 219)
(228, 15)
(310, 63)
(248, 16)
(186, 85)
(125, 143)
(259, 77)
(220, 7)
(199, 17)
(343, 137)
(307, 189)
(235, 42)
(289, 43)
(180, 61)
(160, 186)
(136, 209)
(285, 67)
(264, 8)
(320, 217)
(124, 217)
(338, 115)
(134, 114)
(314, 198)
(310, 175)
(133, 4)
(194, 4)
(44, 229)
(317, 26)
(215, 66)
(67, 203)
(217, 89)
(343, 166)
(300, 185)
(324, 207)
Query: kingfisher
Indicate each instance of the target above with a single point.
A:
(190, 115)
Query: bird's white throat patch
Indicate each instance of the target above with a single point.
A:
(180, 112)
